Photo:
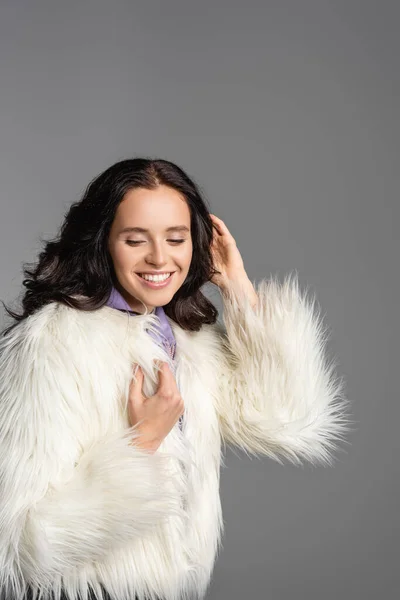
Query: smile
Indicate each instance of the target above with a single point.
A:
(155, 281)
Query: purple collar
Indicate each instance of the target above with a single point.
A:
(165, 337)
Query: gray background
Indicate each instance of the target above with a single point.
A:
(286, 114)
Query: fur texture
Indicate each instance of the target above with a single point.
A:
(81, 507)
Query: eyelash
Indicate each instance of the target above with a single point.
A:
(135, 243)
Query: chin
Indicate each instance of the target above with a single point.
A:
(157, 298)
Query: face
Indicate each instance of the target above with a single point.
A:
(150, 238)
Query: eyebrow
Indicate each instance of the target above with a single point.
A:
(182, 228)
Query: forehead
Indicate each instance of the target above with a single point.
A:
(156, 209)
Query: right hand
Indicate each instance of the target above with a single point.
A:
(159, 413)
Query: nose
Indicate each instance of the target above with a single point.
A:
(156, 256)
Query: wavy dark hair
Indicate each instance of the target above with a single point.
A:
(76, 268)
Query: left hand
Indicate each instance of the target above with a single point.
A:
(228, 261)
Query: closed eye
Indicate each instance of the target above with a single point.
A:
(136, 242)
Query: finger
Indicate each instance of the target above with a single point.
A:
(216, 220)
(164, 369)
(159, 364)
(222, 229)
(136, 382)
(216, 232)
(166, 378)
(216, 228)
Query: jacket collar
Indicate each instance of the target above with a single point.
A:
(164, 336)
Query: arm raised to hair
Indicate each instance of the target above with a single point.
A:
(62, 502)
(278, 395)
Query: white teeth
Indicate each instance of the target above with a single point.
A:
(155, 277)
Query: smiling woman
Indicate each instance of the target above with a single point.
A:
(118, 388)
(152, 259)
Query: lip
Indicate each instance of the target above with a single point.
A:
(155, 272)
(156, 285)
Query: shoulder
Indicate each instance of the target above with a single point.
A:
(58, 329)
(48, 321)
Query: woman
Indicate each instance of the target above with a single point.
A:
(117, 387)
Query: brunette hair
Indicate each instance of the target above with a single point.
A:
(76, 268)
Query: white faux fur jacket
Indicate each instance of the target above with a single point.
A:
(81, 507)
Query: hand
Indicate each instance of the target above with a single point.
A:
(159, 413)
(227, 259)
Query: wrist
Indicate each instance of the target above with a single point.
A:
(146, 442)
(241, 288)
(149, 446)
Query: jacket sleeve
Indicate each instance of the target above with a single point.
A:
(278, 394)
(62, 505)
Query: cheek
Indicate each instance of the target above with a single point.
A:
(187, 258)
(121, 257)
